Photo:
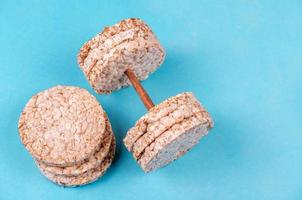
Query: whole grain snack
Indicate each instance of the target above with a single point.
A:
(62, 126)
(160, 118)
(86, 177)
(129, 43)
(154, 115)
(185, 110)
(160, 142)
(69, 135)
(127, 53)
(90, 163)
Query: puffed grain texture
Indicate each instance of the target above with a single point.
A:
(175, 142)
(90, 163)
(185, 109)
(62, 126)
(87, 177)
(127, 44)
(154, 115)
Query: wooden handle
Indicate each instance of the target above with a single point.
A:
(139, 89)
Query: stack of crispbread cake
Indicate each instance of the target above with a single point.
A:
(127, 44)
(68, 134)
(168, 131)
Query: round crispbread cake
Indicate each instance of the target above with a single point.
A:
(62, 126)
(174, 126)
(90, 163)
(175, 142)
(151, 119)
(184, 110)
(88, 176)
(127, 44)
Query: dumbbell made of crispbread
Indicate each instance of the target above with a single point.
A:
(68, 134)
(124, 54)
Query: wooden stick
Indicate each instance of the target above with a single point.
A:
(139, 89)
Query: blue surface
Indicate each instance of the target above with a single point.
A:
(242, 59)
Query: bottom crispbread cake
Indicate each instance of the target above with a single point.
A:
(173, 144)
(168, 131)
(87, 177)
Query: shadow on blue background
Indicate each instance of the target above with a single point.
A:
(242, 59)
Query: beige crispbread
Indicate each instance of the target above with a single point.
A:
(167, 131)
(62, 126)
(153, 116)
(175, 142)
(87, 177)
(127, 44)
(184, 110)
(90, 163)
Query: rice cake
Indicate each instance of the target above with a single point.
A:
(163, 138)
(90, 163)
(175, 142)
(85, 178)
(154, 115)
(127, 44)
(184, 110)
(62, 126)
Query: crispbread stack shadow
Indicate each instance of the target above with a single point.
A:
(68, 134)
(125, 54)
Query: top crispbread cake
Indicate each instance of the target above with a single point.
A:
(62, 126)
(90, 162)
(128, 44)
(155, 114)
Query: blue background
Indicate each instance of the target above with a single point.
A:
(242, 59)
